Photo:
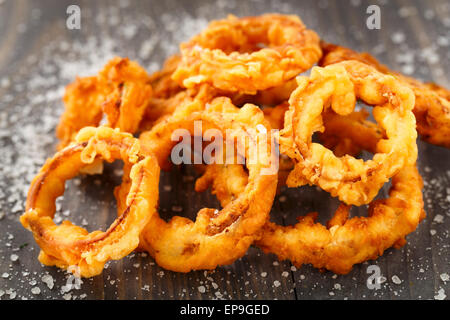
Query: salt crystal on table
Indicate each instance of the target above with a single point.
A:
(201, 289)
(396, 280)
(36, 291)
(441, 295)
(48, 280)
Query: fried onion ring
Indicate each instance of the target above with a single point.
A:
(227, 54)
(121, 91)
(83, 101)
(128, 92)
(161, 81)
(337, 86)
(432, 106)
(68, 245)
(216, 237)
(345, 242)
(350, 134)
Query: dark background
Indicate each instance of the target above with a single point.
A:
(39, 56)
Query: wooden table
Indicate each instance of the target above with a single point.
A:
(39, 55)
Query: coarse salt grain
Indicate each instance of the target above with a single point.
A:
(201, 289)
(35, 290)
(67, 296)
(440, 295)
(396, 280)
(398, 37)
(48, 280)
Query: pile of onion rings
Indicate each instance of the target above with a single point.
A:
(240, 78)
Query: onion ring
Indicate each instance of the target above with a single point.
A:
(216, 237)
(345, 242)
(275, 115)
(68, 245)
(354, 181)
(432, 106)
(228, 181)
(161, 81)
(129, 91)
(349, 134)
(226, 54)
(269, 97)
(121, 91)
(83, 100)
(193, 99)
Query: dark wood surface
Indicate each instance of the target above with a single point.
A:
(39, 55)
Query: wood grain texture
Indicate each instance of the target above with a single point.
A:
(34, 40)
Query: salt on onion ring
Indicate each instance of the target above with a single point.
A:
(227, 54)
(345, 242)
(69, 245)
(432, 106)
(216, 237)
(337, 86)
